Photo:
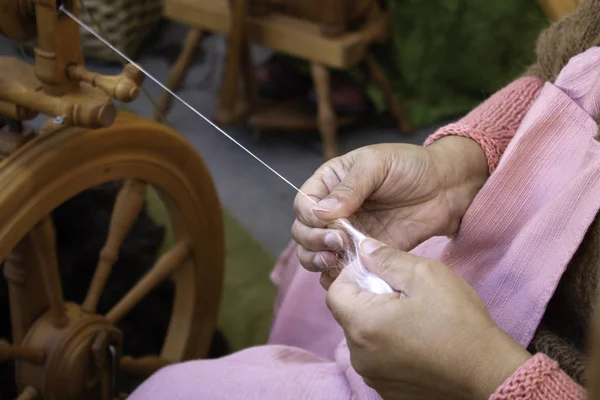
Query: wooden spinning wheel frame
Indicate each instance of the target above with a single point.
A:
(65, 350)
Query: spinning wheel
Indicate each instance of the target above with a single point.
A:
(64, 350)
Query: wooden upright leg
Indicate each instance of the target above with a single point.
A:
(250, 80)
(396, 108)
(229, 108)
(327, 120)
(177, 72)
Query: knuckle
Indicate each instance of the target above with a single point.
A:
(294, 230)
(297, 206)
(299, 210)
(298, 233)
(423, 270)
(304, 258)
(387, 260)
(316, 237)
(363, 334)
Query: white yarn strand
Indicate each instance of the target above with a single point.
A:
(363, 277)
(129, 60)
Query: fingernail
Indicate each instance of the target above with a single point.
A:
(369, 245)
(326, 205)
(320, 262)
(333, 241)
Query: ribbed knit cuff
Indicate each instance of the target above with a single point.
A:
(540, 378)
(494, 122)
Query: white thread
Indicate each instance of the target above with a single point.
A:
(363, 277)
(113, 48)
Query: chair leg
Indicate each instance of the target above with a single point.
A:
(178, 71)
(229, 101)
(396, 108)
(327, 120)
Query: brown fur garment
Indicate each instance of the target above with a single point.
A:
(566, 38)
(562, 333)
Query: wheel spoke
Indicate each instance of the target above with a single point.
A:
(106, 385)
(44, 245)
(15, 275)
(145, 366)
(128, 204)
(28, 394)
(163, 268)
(10, 352)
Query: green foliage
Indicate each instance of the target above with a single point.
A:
(446, 56)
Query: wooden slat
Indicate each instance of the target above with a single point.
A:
(281, 33)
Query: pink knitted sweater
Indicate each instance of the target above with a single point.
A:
(493, 124)
(539, 378)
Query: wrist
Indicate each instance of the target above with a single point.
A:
(462, 167)
(496, 359)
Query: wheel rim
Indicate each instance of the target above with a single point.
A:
(50, 170)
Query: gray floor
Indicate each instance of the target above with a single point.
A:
(256, 197)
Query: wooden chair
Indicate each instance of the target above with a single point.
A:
(325, 46)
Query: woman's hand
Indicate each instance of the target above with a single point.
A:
(436, 340)
(398, 193)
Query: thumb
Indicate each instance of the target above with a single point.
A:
(345, 297)
(394, 266)
(349, 195)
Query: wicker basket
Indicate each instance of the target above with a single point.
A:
(124, 23)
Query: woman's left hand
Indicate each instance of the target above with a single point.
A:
(435, 341)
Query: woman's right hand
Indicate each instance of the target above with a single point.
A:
(399, 194)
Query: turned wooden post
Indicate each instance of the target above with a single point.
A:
(327, 120)
(52, 57)
(178, 71)
(123, 87)
(229, 93)
(128, 204)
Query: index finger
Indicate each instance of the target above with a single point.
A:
(316, 188)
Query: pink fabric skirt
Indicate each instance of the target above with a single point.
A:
(306, 356)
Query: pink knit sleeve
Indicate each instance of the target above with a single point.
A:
(540, 378)
(494, 122)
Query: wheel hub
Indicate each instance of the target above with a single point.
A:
(78, 356)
